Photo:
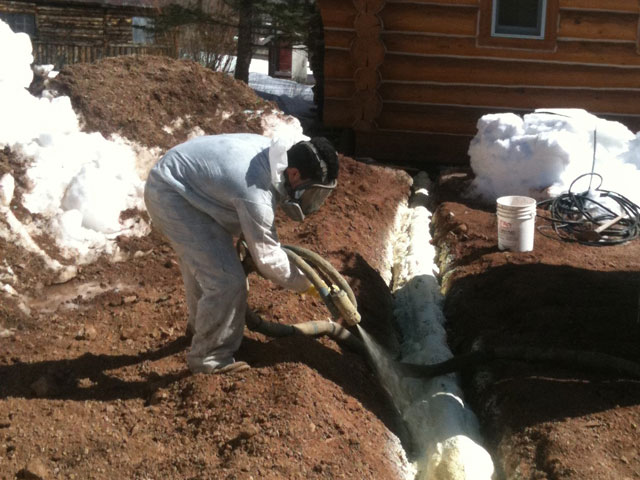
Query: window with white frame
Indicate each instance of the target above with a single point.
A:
(519, 18)
(20, 22)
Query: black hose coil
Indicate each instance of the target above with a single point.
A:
(572, 216)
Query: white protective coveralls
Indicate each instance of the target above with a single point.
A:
(200, 194)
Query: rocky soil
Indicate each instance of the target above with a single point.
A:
(93, 381)
(543, 420)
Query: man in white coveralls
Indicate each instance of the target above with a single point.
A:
(205, 191)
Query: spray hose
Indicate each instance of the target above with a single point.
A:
(311, 329)
(339, 299)
(341, 302)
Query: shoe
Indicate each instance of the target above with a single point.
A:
(231, 367)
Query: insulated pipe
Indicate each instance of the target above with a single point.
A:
(336, 331)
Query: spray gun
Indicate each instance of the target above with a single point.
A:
(331, 286)
(347, 310)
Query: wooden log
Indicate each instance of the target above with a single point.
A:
(620, 27)
(448, 3)
(15, 7)
(423, 18)
(567, 51)
(367, 52)
(432, 118)
(595, 101)
(413, 150)
(339, 88)
(410, 118)
(631, 6)
(367, 25)
(337, 13)
(492, 72)
(371, 7)
(365, 79)
(338, 112)
(338, 38)
(337, 64)
(366, 106)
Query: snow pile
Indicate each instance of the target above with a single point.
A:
(540, 154)
(79, 182)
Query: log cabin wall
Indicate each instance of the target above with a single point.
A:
(84, 25)
(440, 70)
(82, 31)
(79, 23)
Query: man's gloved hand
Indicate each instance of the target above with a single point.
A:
(248, 264)
(312, 292)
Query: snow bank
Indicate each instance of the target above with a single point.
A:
(540, 154)
(79, 182)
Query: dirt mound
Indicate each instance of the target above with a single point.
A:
(158, 101)
(98, 375)
(93, 382)
(544, 420)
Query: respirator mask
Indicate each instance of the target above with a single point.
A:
(308, 197)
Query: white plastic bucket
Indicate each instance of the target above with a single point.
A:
(516, 223)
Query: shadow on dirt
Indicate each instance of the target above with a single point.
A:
(88, 376)
(344, 368)
(548, 307)
(85, 377)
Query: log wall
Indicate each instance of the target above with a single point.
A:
(437, 77)
(80, 32)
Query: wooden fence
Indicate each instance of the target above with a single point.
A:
(60, 54)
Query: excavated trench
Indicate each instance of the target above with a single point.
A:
(442, 438)
(445, 442)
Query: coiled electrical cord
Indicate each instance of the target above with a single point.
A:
(582, 218)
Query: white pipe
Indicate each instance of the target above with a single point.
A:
(443, 427)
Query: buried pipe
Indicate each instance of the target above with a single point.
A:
(581, 359)
(574, 358)
(302, 257)
(444, 431)
(587, 360)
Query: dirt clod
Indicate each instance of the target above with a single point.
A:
(35, 470)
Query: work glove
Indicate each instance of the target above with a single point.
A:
(248, 264)
(312, 292)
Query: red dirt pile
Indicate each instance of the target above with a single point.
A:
(543, 420)
(93, 382)
(157, 101)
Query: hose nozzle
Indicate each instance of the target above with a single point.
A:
(347, 311)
